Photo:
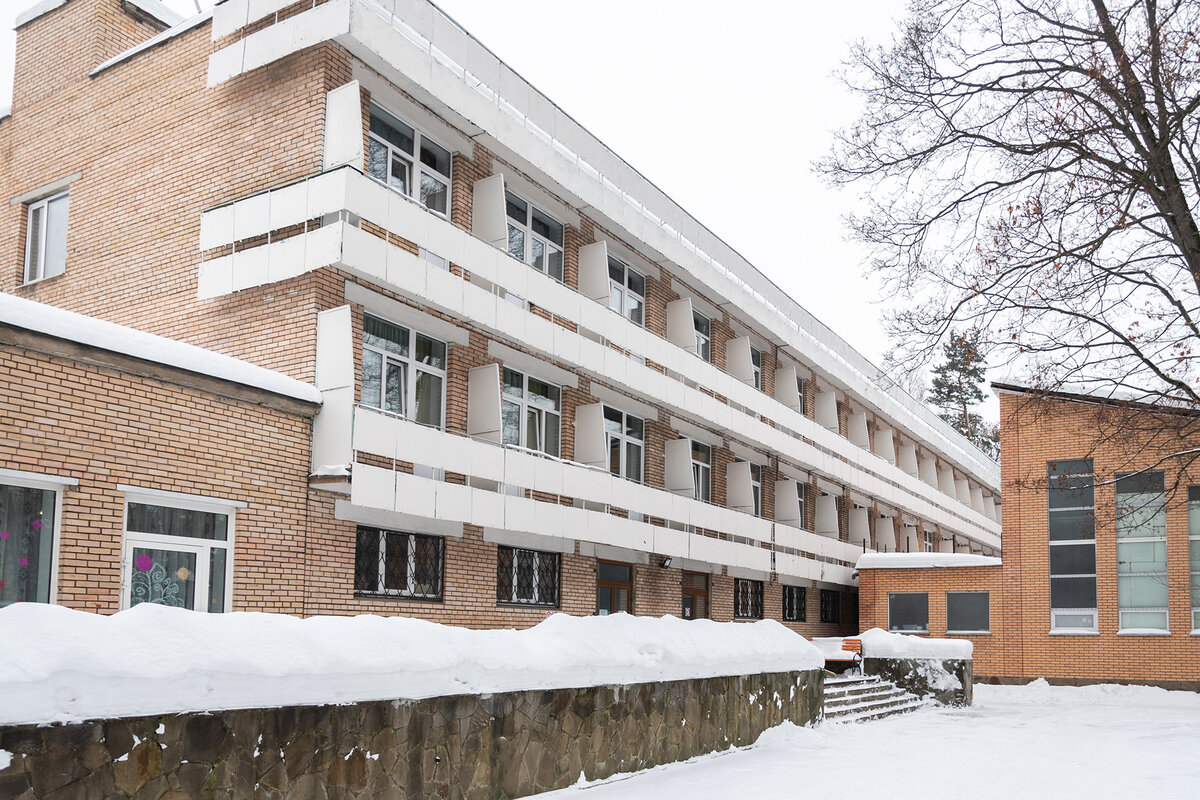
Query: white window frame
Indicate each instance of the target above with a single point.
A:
(930, 540)
(701, 473)
(202, 547)
(625, 440)
(800, 393)
(525, 227)
(620, 292)
(1194, 565)
(979, 632)
(416, 167)
(52, 483)
(524, 407)
(39, 247)
(409, 364)
(801, 496)
(756, 486)
(703, 338)
(1056, 627)
(756, 362)
(1120, 540)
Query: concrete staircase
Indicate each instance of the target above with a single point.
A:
(859, 698)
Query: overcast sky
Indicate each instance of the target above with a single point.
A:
(723, 105)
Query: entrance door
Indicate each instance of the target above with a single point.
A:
(614, 588)
(695, 595)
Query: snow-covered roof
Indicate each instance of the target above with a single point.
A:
(17, 312)
(157, 10)
(60, 665)
(36, 10)
(923, 560)
(176, 29)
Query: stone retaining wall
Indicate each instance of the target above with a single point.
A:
(467, 746)
(948, 681)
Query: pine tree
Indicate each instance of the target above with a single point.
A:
(956, 390)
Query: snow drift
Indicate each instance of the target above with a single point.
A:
(878, 643)
(60, 665)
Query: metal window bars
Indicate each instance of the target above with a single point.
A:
(528, 577)
(398, 564)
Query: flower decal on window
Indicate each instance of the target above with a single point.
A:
(37, 524)
(5, 535)
(144, 563)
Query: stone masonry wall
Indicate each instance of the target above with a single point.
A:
(469, 746)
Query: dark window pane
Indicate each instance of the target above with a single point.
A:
(1073, 559)
(385, 335)
(26, 544)
(908, 611)
(1193, 494)
(747, 599)
(517, 209)
(968, 611)
(395, 132)
(617, 573)
(793, 603)
(1078, 466)
(1140, 483)
(170, 521)
(395, 561)
(366, 560)
(435, 157)
(831, 606)
(1072, 525)
(1072, 592)
(545, 227)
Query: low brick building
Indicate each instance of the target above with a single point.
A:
(1100, 575)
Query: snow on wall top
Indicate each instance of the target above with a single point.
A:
(61, 665)
(59, 323)
(878, 643)
(923, 560)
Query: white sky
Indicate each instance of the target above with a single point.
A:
(724, 106)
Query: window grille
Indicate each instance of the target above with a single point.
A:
(398, 564)
(831, 606)
(794, 599)
(529, 577)
(747, 599)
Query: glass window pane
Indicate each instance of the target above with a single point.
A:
(968, 611)
(514, 383)
(1073, 559)
(637, 284)
(616, 573)
(435, 157)
(554, 262)
(33, 254)
(26, 544)
(164, 577)
(537, 254)
(434, 193)
(1071, 491)
(385, 335)
(431, 352)
(395, 561)
(428, 399)
(1072, 592)
(633, 461)
(1085, 621)
(616, 298)
(550, 437)
(1072, 525)
(1144, 620)
(532, 429)
(701, 323)
(908, 611)
(216, 580)
(616, 271)
(544, 226)
(543, 395)
(372, 377)
(614, 455)
(55, 262)
(398, 176)
(517, 209)
(377, 160)
(1141, 514)
(392, 130)
(701, 452)
(633, 427)
(168, 521)
(1142, 591)
(613, 419)
(1194, 548)
(1142, 557)
(510, 414)
(516, 242)
(393, 390)
(634, 310)
(1141, 483)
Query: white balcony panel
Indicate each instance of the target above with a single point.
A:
(929, 473)
(489, 220)
(826, 411)
(977, 499)
(453, 501)
(593, 271)
(908, 458)
(945, 544)
(749, 557)
(547, 476)
(885, 535)
(332, 429)
(668, 542)
(681, 328)
(946, 481)
(856, 429)
(860, 527)
(787, 389)
(548, 519)
(229, 17)
(787, 502)
(414, 495)
(375, 487)
(591, 446)
(216, 227)
(518, 513)
(375, 433)
(738, 361)
(885, 447)
(962, 490)
(343, 141)
(677, 466)
(739, 492)
(334, 365)
(483, 403)
(961, 545)
(487, 509)
(909, 541)
(827, 516)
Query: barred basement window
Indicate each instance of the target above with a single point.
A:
(398, 564)
(747, 599)
(794, 599)
(831, 606)
(529, 577)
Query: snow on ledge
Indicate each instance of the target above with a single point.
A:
(878, 643)
(29, 315)
(61, 665)
(923, 560)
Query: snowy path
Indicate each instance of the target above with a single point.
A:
(1033, 741)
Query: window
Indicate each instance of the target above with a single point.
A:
(756, 486)
(46, 238)
(398, 564)
(614, 588)
(528, 577)
(177, 555)
(756, 361)
(794, 599)
(534, 237)
(908, 612)
(27, 532)
(831, 606)
(802, 496)
(701, 471)
(530, 412)
(403, 379)
(408, 161)
(627, 291)
(1070, 498)
(747, 599)
(1141, 524)
(625, 434)
(968, 612)
(694, 587)
(800, 392)
(930, 544)
(1194, 551)
(703, 335)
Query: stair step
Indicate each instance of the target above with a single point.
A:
(858, 691)
(888, 702)
(866, 716)
(886, 694)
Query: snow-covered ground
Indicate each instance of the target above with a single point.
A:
(1028, 742)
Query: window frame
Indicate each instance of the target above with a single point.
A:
(526, 229)
(756, 363)
(415, 165)
(524, 407)
(747, 598)
(43, 204)
(621, 291)
(831, 606)
(410, 365)
(1162, 574)
(1057, 614)
(703, 338)
(1194, 556)
(970, 632)
(537, 601)
(202, 547)
(48, 483)
(626, 439)
(701, 469)
(409, 591)
(892, 627)
(796, 610)
(756, 472)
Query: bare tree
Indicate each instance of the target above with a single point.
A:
(1032, 172)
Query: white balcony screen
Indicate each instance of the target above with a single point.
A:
(929, 470)
(885, 447)
(739, 490)
(860, 526)
(738, 361)
(681, 330)
(908, 458)
(591, 445)
(787, 391)
(787, 503)
(343, 127)
(593, 271)
(826, 515)
(826, 410)
(856, 429)
(677, 466)
(483, 402)
(489, 221)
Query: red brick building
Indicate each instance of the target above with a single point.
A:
(1100, 577)
(543, 386)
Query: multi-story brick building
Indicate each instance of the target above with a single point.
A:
(544, 385)
(1100, 579)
